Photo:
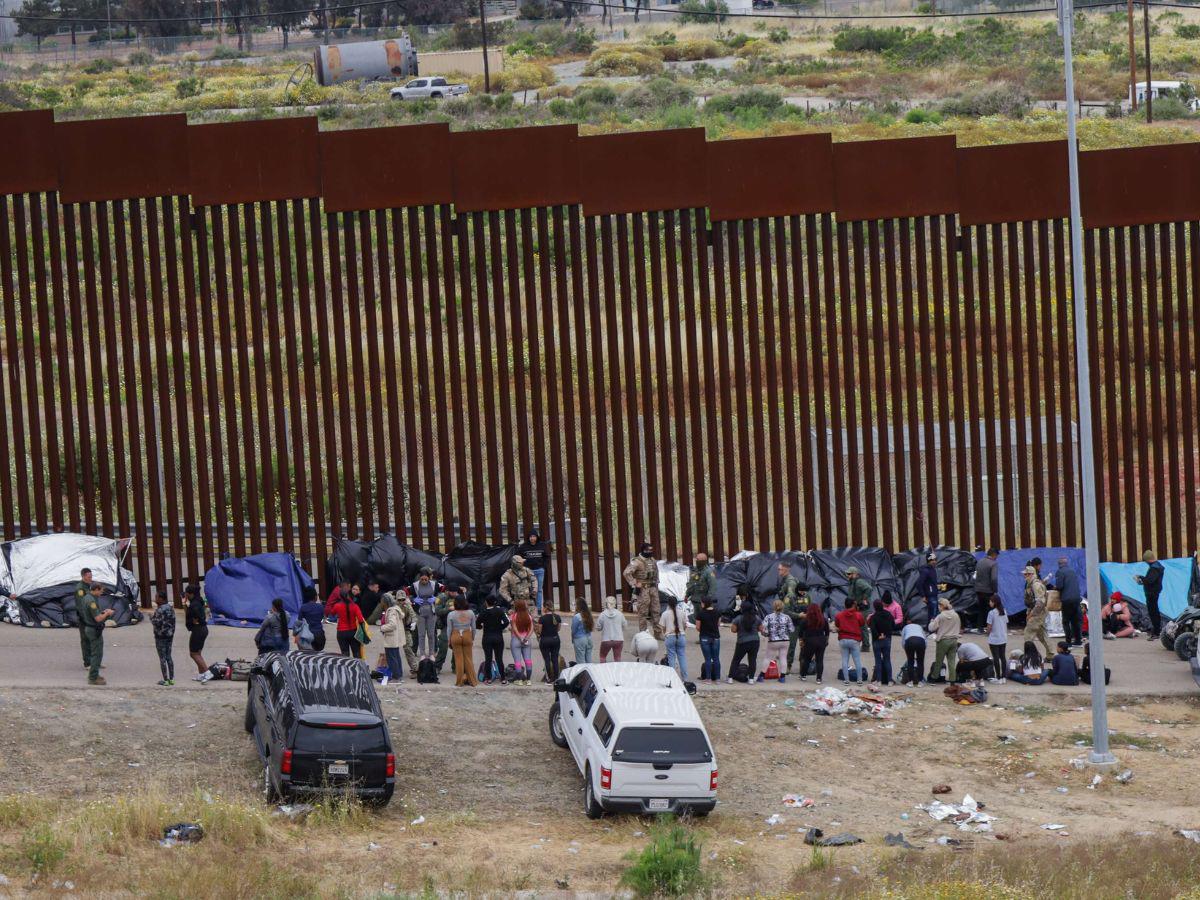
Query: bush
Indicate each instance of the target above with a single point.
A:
(1187, 32)
(221, 51)
(614, 61)
(690, 50)
(778, 35)
(99, 66)
(866, 39)
(559, 108)
(668, 867)
(596, 94)
(43, 849)
(141, 58)
(750, 99)
(551, 40)
(658, 92)
(999, 99)
(923, 117)
(736, 41)
(702, 11)
(1168, 108)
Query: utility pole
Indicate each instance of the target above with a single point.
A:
(1132, 63)
(1149, 88)
(487, 75)
(1100, 754)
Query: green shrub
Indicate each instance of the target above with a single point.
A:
(1168, 108)
(1187, 32)
(923, 116)
(598, 94)
(100, 66)
(552, 40)
(559, 108)
(657, 92)
(868, 39)
(43, 849)
(736, 41)
(689, 50)
(661, 39)
(703, 11)
(668, 867)
(141, 58)
(615, 61)
(778, 35)
(754, 98)
(999, 99)
(503, 103)
(221, 51)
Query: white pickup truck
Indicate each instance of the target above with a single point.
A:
(432, 88)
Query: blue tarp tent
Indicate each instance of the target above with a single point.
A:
(240, 591)
(1176, 583)
(1012, 583)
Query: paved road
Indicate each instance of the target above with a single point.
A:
(50, 658)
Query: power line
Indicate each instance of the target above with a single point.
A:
(366, 4)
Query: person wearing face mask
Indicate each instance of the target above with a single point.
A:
(518, 583)
(701, 583)
(642, 576)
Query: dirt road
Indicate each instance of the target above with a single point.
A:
(502, 806)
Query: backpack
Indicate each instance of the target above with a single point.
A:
(740, 672)
(427, 672)
(510, 672)
(771, 671)
(483, 671)
(239, 669)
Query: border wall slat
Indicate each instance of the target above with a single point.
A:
(1037, 245)
(685, 479)
(292, 416)
(315, 466)
(376, 404)
(1187, 280)
(438, 252)
(804, 384)
(33, 415)
(855, 299)
(693, 318)
(462, 441)
(408, 498)
(59, 453)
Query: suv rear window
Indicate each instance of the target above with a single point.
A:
(340, 741)
(662, 745)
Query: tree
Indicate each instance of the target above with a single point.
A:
(239, 10)
(281, 17)
(163, 16)
(41, 19)
(81, 14)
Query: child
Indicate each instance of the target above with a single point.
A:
(162, 620)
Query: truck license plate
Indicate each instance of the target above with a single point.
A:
(339, 768)
(659, 805)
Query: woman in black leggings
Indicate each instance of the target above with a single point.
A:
(492, 623)
(815, 638)
(549, 642)
(745, 626)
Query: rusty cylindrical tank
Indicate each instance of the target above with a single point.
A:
(365, 60)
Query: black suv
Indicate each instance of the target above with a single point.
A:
(318, 726)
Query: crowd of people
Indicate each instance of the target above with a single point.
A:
(423, 625)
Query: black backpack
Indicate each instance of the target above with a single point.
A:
(427, 672)
(740, 672)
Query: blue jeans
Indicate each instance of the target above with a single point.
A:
(583, 649)
(677, 653)
(883, 660)
(851, 649)
(540, 575)
(711, 648)
(395, 666)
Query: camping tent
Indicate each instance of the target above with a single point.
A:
(955, 569)
(39, 575)
(1012, 583)
(1177, 583)
(240, 591)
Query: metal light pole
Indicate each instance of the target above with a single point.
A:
(1100, 754)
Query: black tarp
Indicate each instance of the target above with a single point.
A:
(473, 566)
(54, 607)
(759, 573)
(955, 569)
(827, 582)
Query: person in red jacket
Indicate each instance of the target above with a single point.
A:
(343, 607)
(849, 624)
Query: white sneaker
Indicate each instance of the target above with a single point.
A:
(728, 681)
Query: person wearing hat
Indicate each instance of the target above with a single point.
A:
(94, 618)
(927, 585)
(1117, 618)
(424, 601)
(945, 629)
(536, 554)
(1152, 583)
(642, 576)
(859, 590)
(1035, 609)
(518, 583)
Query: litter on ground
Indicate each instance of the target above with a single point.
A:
(774, 819)
(419, 820)
(1053, 826)
(816, 838)
(294, 810)
(898, 840)
(830, 701)
(181, 833)
(968, 815)
(1126, 776)
(1190, 835)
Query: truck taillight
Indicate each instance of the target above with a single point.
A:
(389, 767)
(285, 764)
(712, 780)
(606, 778)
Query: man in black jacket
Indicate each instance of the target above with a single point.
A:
(537, 559)
(1066, 582)
(1152, 583)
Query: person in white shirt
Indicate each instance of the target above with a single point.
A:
(645, 646)
(997, 636)
(913, 639)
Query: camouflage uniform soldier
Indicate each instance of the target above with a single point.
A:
(796, 608)
(519, 583)
(702, 582)
(642, 575)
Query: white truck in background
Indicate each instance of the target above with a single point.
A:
(429, 88)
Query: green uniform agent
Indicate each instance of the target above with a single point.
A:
(702, 583)
(89, 611)
(82, 590)
(795, 608)
(860, 592)
(442, 609)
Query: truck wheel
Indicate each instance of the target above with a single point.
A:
(1167, 636)
(557, 734)
(248, 722)
(270, 793)
(591, 806)
(1185, 645)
